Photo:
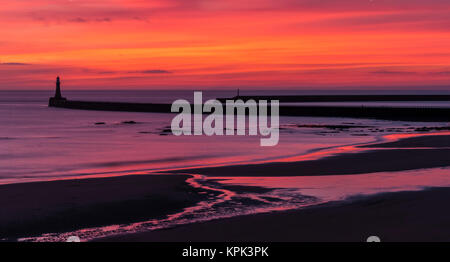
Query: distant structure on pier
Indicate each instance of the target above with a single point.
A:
(238, 96)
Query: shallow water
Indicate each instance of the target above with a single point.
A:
(38, 143)
(269, 194)
(288, 193)
(41, 143)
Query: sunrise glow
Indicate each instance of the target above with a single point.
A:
(218, 44)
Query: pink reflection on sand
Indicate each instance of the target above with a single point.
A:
(396, 137)
(355, 148)
(230, 160)
(288, 192)
(339, 187)
(187, 215)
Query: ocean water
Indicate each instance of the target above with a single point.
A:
(41, 143)
(38, 143)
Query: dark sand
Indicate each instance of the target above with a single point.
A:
(33, 208)
(417, 142)
(342, 164)
(403, 216)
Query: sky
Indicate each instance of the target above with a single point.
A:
(220, 44)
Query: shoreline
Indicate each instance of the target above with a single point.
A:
(31, 209)
(427, 151)
(66, 205)
(408, 216)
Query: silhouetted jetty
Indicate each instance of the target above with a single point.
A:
(111, 106)
(423, 114)
(342, 98)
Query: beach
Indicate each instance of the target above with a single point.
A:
(224, 121)
(60, 206)
(393, 217)
(342, 164)
(30, 209)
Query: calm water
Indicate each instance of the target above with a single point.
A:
(39, 143)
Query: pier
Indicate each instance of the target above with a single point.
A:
(422, 114)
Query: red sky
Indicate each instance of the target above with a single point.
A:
(259, 44)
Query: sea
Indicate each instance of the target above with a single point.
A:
(40, 143)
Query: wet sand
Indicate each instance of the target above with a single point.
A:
(59, 206)
(403, 216)
(416, 142)
(406, 154)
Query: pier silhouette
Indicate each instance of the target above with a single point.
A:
(423, 114)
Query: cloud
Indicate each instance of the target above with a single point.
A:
(78, 20)
(343, 13)
(110, 72)
(14, 64)
(441, 73)
(425, 73)
(80, 14)
(87, 20)
(391, 72)
(322, 6)
(400, 20)
(152, 71)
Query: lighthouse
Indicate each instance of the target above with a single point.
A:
(58, 95)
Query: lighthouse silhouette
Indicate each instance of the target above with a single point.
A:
(58, 95)
(58, 98)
